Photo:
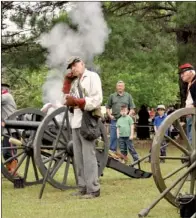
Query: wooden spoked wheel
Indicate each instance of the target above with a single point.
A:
(54, 137)
(178, 173)
(23, 154)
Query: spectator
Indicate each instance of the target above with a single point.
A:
(152, 114)
(115, 101)
(125, 133)
(157, 122)
(187, 74)
(143, 129)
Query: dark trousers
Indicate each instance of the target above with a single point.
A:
(124, 143)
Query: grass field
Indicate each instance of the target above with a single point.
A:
(121, 197)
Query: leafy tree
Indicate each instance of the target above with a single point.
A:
(171, 17)
(147, 43)
(136, 53)
(26, 88)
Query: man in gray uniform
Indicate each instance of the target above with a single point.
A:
(8, 106)
(84, 150)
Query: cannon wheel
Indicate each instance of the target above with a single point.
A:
(24, 153)
(183, 178)
(49, 136)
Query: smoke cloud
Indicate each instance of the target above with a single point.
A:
(62, 42)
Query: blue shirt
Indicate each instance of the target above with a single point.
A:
(158, 120)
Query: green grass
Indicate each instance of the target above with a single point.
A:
(121, 197)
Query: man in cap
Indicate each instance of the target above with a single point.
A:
(8, 106)
(87, 84)
(187, 74)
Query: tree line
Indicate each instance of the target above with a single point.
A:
(148, 41)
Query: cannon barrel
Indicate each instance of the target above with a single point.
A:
(27, 125)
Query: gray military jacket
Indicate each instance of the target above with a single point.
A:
(8, 105)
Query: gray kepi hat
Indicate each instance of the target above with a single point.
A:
(72, 60)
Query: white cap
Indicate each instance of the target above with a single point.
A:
(161, 106)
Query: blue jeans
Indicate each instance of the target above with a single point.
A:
(113, 135)
(189, 128)
(124, 143)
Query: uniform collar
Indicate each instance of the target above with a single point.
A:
(191, 83)
(194, 78)
(84, 74)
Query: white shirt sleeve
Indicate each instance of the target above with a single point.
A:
(95, 95)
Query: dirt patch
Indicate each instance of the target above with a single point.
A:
(142, 143)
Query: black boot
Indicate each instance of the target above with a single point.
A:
(91, 195)
(81, 192)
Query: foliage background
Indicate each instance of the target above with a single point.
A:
(148, 41)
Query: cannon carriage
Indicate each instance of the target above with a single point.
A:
(36, 139)
(45, 141)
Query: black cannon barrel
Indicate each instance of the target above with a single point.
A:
(27, 125)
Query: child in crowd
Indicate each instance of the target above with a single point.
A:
(157, 122)
(125, 134)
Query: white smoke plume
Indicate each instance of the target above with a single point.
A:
(62, 42)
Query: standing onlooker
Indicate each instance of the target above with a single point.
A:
(170, 110)
(187, 74)
(8, 106)
(152, 114)
(115, 101)
(125, 133)
(143, 129)
(85, 93)
(157, 122)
